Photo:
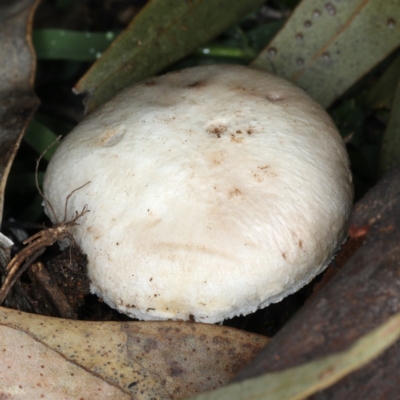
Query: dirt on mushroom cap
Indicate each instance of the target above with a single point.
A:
(214, 191)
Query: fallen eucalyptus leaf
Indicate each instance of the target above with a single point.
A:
(17, 73)
(300, 382)
(325, 47)
(162, 33)
(163, 360)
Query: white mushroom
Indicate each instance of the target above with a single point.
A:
(214, 191)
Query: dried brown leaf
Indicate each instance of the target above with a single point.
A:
(163, 360)
(17, 72)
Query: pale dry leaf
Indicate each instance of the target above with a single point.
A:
(163, 360)
(31, 370)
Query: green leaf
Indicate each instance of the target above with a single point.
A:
(390, 151)
(62, 44)
(326, 47)
(300, 382)
(40, 138)
(217, 50)
(161, 34)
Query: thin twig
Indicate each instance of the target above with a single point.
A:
(35, 244)
(11, 279)
(37, 181)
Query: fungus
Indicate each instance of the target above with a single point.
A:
(214, 191)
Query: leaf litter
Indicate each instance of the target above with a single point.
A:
(164, 360)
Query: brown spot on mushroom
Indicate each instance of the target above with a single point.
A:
(112, 137)
(234, 193)
(150, 83)
(236, 140)
(249, 131)
(257, 177)
(274, 97)
(301, 244)
(264, 172)
(197, 84)
(153, 221)
(284, 255)
(217, 158)
(217, 129)
(97, 233)
(239, 131)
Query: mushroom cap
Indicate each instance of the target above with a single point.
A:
(215, 190)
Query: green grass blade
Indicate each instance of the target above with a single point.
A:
(53, 44)
(215, 50)
(40, 138)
